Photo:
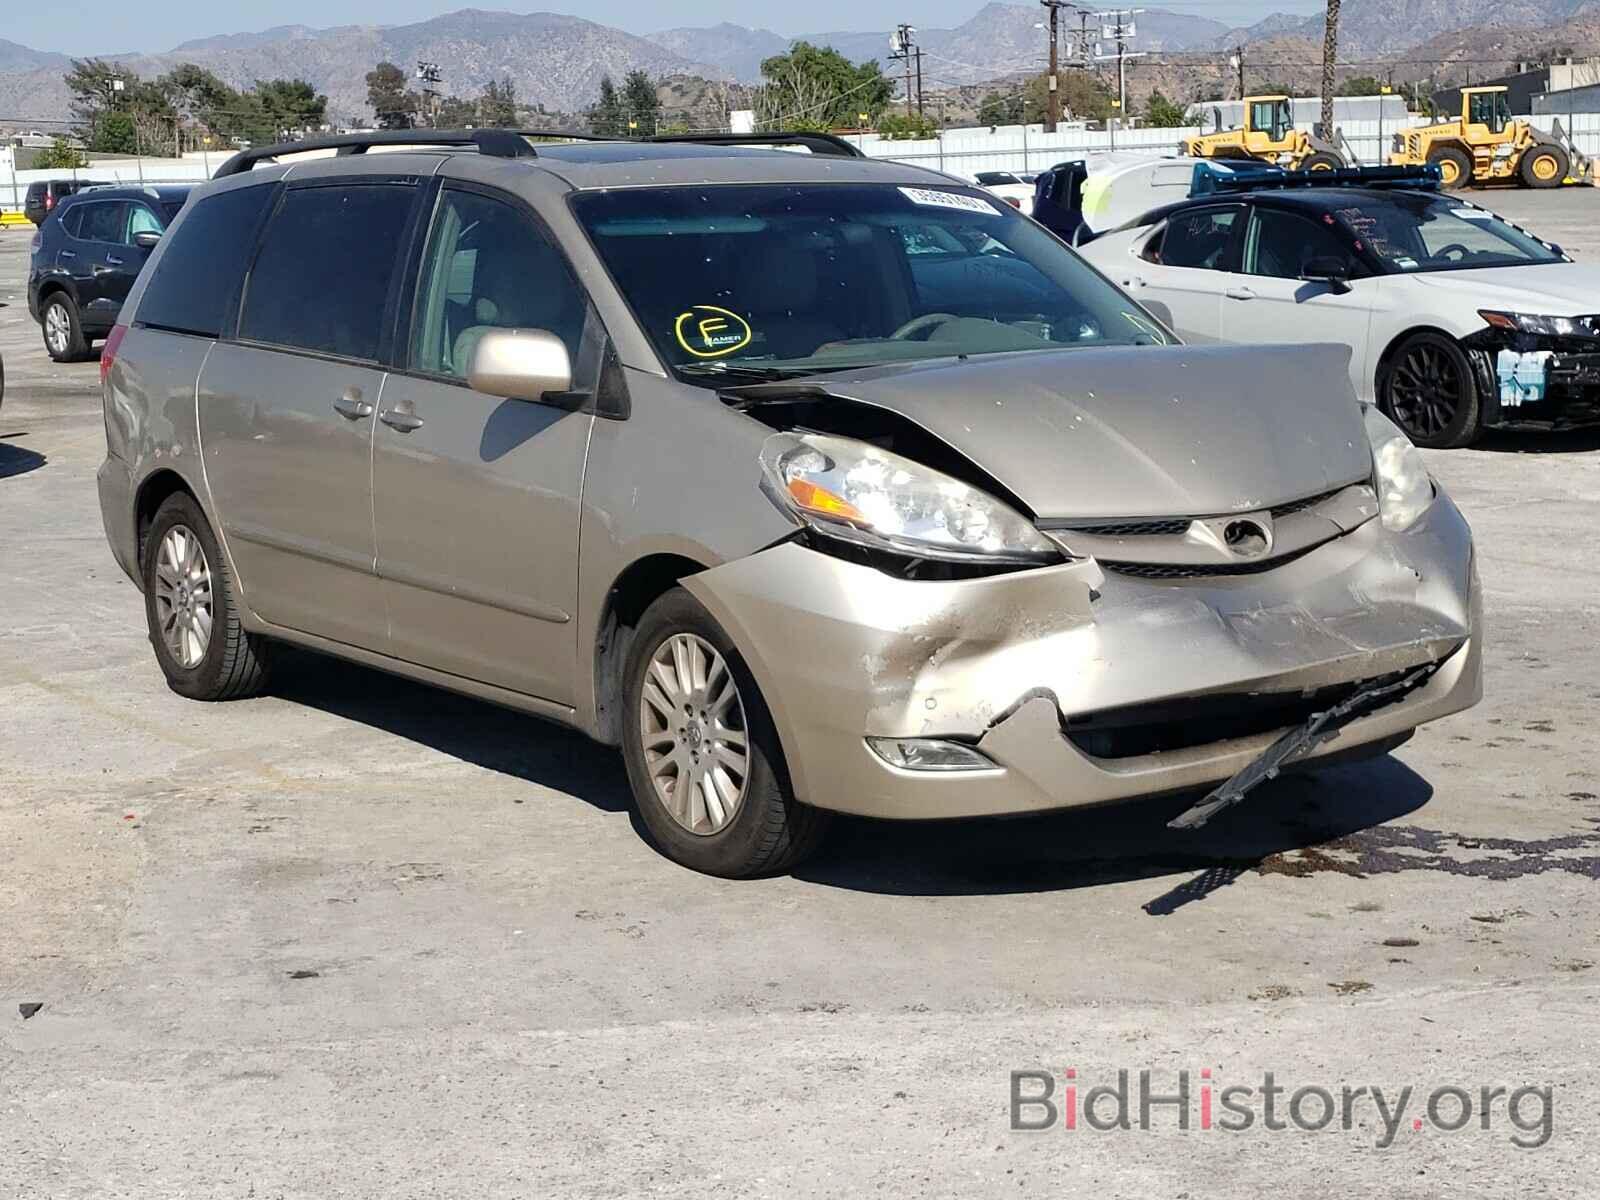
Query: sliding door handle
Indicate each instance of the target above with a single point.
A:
(400, 420)
(351, 406)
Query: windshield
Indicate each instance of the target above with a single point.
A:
(1411, 232)
(785, 280)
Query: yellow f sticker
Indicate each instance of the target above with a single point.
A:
(707, 331)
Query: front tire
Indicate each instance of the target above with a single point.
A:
(192, 608)
(1427, 389)
(703, 759)
(1322, 161)
(63, 331)
(1544, 167)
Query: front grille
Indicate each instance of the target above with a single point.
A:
(1142, 729)
(1279, 511)
(1151, 528)
(1142, 570)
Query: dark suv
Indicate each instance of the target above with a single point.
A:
(87, 254)
(44, 195)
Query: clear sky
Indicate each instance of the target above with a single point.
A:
(81, 27)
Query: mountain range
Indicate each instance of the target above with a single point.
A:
(557, 61)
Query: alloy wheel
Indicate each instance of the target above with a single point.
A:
(1425, 390)
(183, 596)
(57, 328)
(696, 746)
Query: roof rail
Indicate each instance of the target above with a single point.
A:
(499, 143)
(1424, 177)
(818, 143)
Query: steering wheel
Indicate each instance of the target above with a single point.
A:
(927, 321)
(1444, 251)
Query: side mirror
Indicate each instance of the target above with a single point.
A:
(1335, 272)
(146, 239)
(522, 364)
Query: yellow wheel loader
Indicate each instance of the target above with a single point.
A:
(1486, 144)
(1267, 135)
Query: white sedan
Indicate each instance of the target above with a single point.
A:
(1014, 187)
(1456, 320)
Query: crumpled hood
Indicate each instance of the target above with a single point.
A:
(1547, 289)
(1140, 431)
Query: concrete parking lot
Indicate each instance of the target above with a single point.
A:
(360, 938)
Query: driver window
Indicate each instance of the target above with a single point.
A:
(1262, 116)
(1282, 243)
(142, 220)
(518, 281)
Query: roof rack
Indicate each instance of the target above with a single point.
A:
(818, 143)
(513, 143)
(1258, 177)
(499, 143)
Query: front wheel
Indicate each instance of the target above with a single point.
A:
(1544, 167)
(192, 608)
(1322, 161)
(1455, 168)
(707, 774)
(1428, 390)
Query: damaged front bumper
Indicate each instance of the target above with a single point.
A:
(1535, 380)
(1082, 686)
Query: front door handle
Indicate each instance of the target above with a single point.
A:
(69, 254)
(1239, 293)
(351, 406)
(401, 420)
(112, 261)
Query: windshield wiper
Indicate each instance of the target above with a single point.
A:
(758, 371)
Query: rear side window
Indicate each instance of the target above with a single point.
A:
(70, 219)
(103, 220)
(203, 264)
(1196, 239)
(321, 281)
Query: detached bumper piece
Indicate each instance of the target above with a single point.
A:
(1301, 741)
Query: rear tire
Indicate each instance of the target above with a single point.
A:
(1322, 161)
(192, 608)
(1455, 167)
(765, 830)
(63, 331)
(1427, 389)
(1544, 167)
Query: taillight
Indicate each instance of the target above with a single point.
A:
(108, 352)
(49, 202)
(1013, 201)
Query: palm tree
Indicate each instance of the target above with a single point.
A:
(1330, 50)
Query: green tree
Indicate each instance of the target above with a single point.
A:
(817, 87)
(115, 133)
(1359, 85)
(291, 104)
(1163, 113)
(394, 106)
(145, 116)
(640, 102)
(60, 155)
(900, 127)
(498, 106)
(608, 116)
(456, 113)
(1000, 109)
(1083, 97)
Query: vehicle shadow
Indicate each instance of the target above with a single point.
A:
(18, 460)
(1118, 843)
(1052, 852)
(1538, 441)
(473, 731)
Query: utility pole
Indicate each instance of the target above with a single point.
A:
(903, 44)
(1052, 105)
(428, 74)
(1117, 25)
(1330, 52)
(1238, 61)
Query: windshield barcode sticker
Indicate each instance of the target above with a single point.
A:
(937, 199)
(1472, 214)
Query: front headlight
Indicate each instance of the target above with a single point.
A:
(1514, 322)
(1404, 489)
(859, 493)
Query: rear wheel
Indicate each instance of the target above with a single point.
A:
(1322, 161)
(1427, 389)
(1455, 167)
(703, 759)
(193, 610)
(1544, 166)
(63, 331)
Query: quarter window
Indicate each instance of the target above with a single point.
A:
(197, 277)
(321, 281)
(488, 267)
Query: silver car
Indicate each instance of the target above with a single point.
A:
(813, 483)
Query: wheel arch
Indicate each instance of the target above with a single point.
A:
(639, 585)
(1386, 356)
(154, 491)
